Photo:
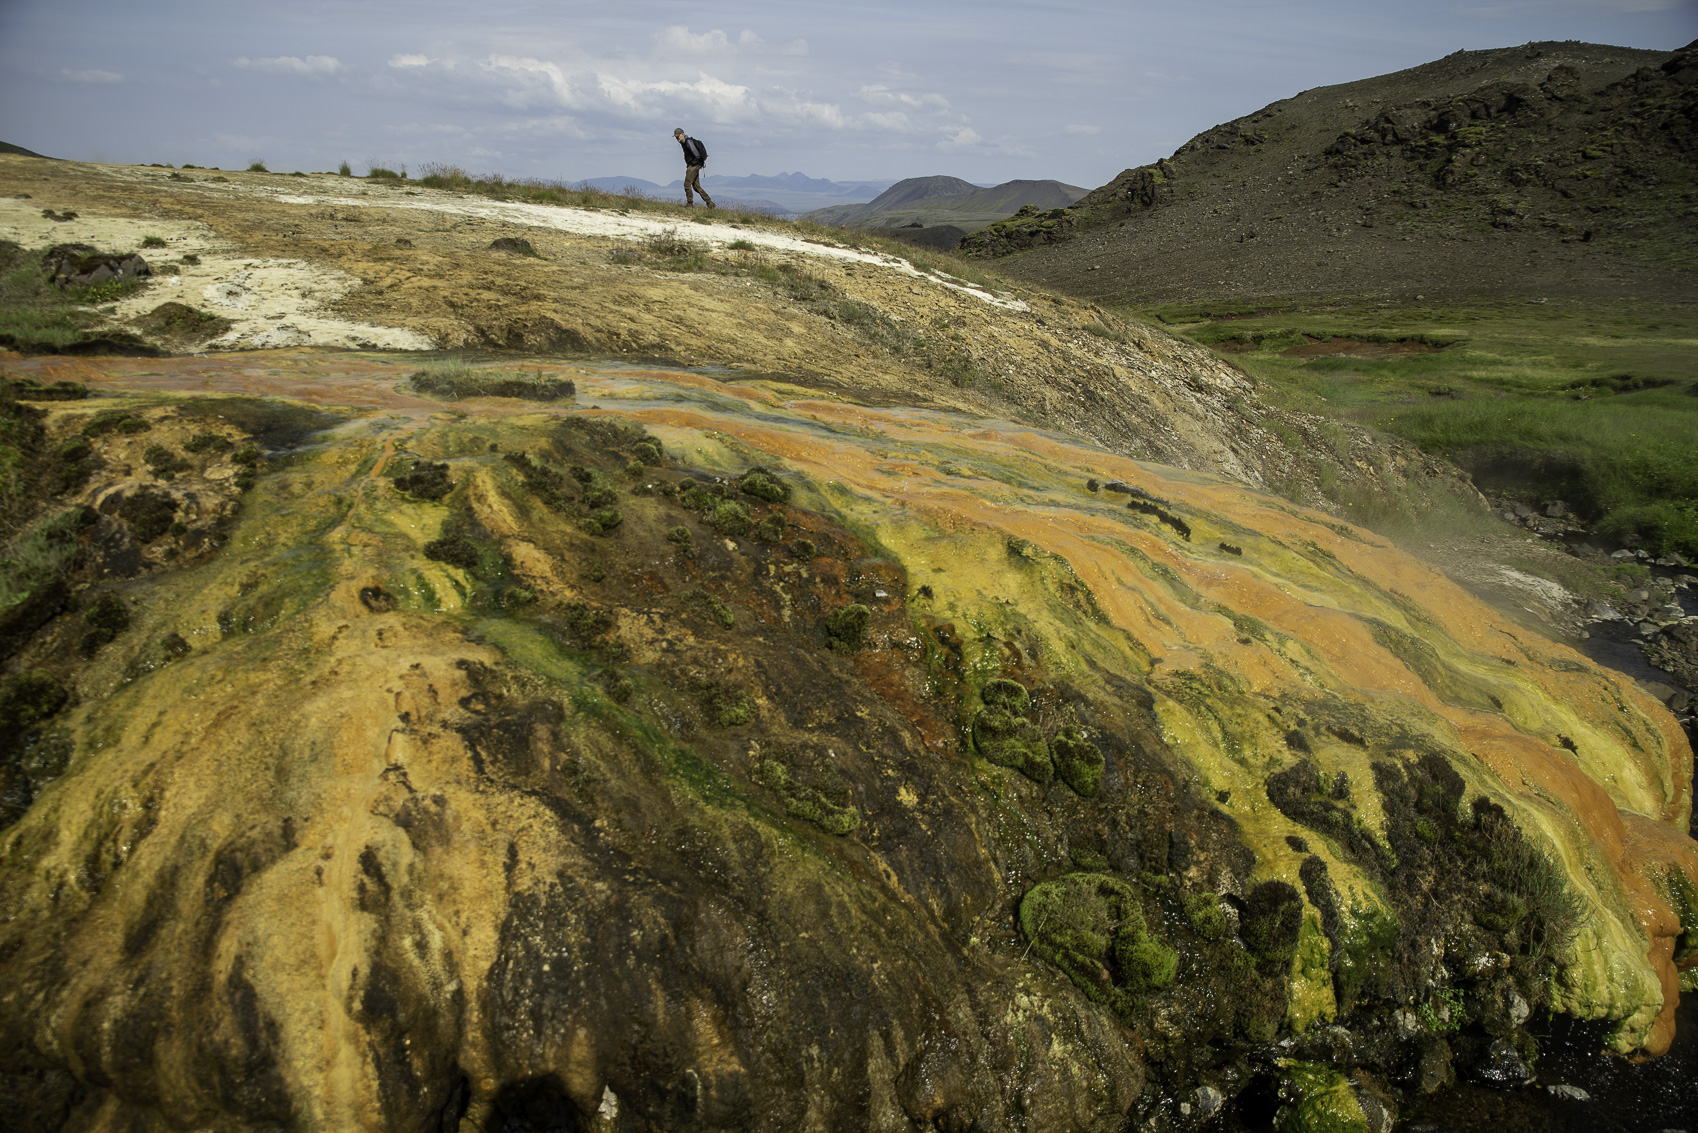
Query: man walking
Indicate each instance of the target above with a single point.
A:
(695, 156)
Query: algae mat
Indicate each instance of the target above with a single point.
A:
(682, 756)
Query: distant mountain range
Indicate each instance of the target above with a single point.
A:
(927, 202)
(788, 193)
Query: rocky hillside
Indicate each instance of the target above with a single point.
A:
(1548, 169)
(846, 729)
(934, 201)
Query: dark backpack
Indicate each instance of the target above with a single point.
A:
(702, 146)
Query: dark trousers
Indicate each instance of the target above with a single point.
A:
(693, 181)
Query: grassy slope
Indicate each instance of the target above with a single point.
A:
(1592, 403)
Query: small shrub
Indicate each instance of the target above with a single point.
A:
(1103, 330)
(740, 245)
(152, 242)
(164, 463)
(624, 256)
(190, 259)
(727, 707)
(344, 170)
(247, 454)
(455, 550)
(206, 442)
(602, 521)
(115, 421)
(710, 606)
(425, 481)
(648, 451)
(764, 485)
(257, 167)
(380, 171)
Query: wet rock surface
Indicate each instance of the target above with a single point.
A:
(876, 798)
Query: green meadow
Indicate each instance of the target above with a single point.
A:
(1595, 404)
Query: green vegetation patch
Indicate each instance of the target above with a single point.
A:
(1003, 735)
(456, 379)
(1091, 926)
(1589, 402)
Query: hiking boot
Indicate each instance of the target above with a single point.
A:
(709, 203)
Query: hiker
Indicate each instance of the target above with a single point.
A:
(695, 156)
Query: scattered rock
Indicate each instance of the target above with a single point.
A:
(1502, 1067)
(1208, 1101)
(512, 244)
(1569, 1093)
(78, 265)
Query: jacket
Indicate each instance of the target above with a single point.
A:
(694, 152)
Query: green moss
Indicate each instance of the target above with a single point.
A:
(1004, 736)
(1085, 922)
(773, 528)
(105, 618)
(728, 517)
(1145, 965)
(804, 550)
(1205, 916)
(1078, 761)
(810, 797)
(648, 451)
(1271, 923)
(764, 485)
(846, 627)
(710, 606)
(28, 698)
(1311, 991)
(1317, 1099)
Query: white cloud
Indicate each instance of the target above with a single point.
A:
(962, 137)
(90, 77)
(1084, 129)
(680, 40)
(409, 60)
(315, 65)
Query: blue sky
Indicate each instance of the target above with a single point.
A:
(989, 91)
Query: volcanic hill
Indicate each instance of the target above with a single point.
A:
(1560, 169)
(490, 660)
